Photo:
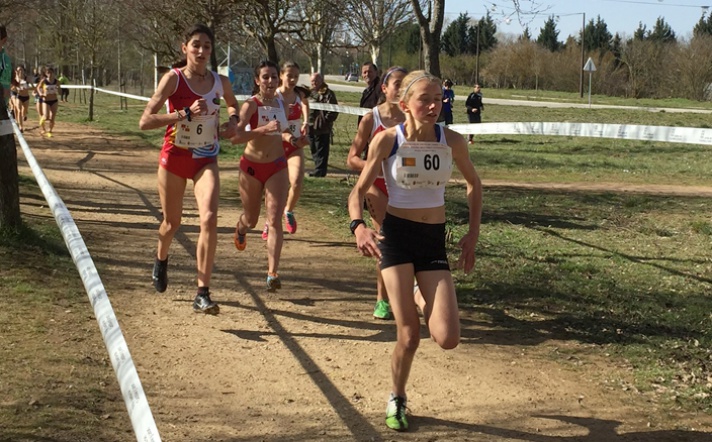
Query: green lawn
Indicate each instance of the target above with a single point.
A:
(628, 275)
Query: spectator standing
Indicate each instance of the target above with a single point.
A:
(5, 65)
(371, 96)
(448, 99)
(65, 92)
(321, 123)
(474, 107)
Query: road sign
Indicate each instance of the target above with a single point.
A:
(589, 66)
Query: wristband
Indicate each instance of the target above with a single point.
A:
(187, 112)
(354, 225)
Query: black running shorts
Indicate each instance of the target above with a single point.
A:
(420, 244)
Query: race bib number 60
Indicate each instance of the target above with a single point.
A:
(423, 165)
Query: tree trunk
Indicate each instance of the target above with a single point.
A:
(431, 26)
(9, 179)
(272, 54)
(431, 52)
(375, 50)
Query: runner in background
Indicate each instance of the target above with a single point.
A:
(190, 151)
(417, 161)
(263, 165)
(385, 115)
(21, 97)
(296, 100)
(49, 89)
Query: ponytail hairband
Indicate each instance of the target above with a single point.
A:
(390, 71)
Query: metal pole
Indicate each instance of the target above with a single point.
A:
(477, 59)
(590, 74)
(583, 57)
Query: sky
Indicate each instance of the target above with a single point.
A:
(622, 16)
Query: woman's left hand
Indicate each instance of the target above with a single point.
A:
(467, 255)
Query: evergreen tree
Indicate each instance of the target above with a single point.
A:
(617, 49)
(549, 35)
(641, 33)
(454, 40)
(597, 35)
(662, 32)
(703, 27)
(473, 40)
(526, 35)
(488, 30)
(407, 38)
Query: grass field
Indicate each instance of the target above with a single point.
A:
(627, 275)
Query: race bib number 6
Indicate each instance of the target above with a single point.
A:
(423, 165)
(199, 132)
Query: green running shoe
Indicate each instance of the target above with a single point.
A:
(273, 283)
(382, 310)
(395, 413)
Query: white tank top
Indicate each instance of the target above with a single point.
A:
(378, 125)
(294, 115)
(416, 172)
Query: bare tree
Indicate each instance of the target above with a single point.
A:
(317, 34)
(641, 58)
(264, 20)
(373, 21)
(431, 27)
(692, 68)
(430, 15)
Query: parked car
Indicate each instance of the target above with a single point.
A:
(351, 77)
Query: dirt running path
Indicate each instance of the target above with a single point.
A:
(309, 363)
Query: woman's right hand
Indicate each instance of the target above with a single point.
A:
(272, 126)
(199, 107)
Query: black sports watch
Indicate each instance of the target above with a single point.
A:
(355, 223)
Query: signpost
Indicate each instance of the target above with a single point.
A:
(590, 68)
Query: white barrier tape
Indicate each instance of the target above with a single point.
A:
(122, 94)
(136, 402)
(338, 108)
(325, 106)
(686, 135)
(6, 127)
(320, 106)
(689, 135)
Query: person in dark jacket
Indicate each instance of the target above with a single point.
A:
(371, 95)
(321, 123)
(474, 107)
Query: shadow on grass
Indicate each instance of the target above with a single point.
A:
(46, 240)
